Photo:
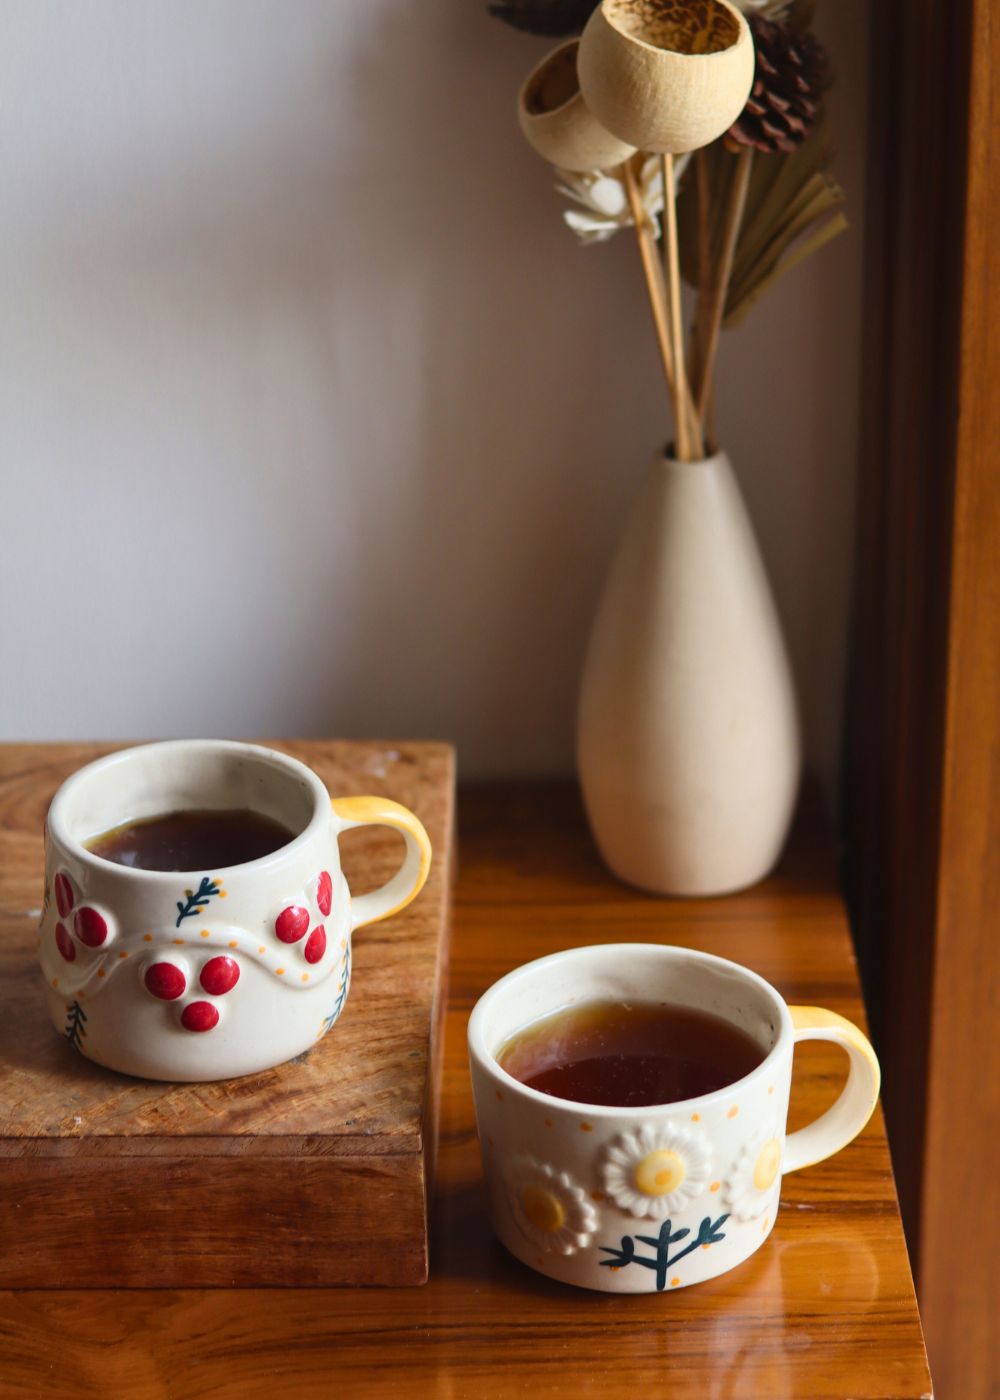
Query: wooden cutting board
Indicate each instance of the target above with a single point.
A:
(316, 1172)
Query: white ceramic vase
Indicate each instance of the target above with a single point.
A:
(688, 736)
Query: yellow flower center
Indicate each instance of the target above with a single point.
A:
(542, 1209)
(766, 1166)
(660, 1173)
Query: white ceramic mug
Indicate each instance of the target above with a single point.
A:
(207, 974)
(636, 1200)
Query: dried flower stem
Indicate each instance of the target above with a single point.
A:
(703, 253)
(696, 353)
(689, 445)
(720, 292)
(652, 271)
(704, 235)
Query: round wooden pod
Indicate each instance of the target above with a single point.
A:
(557, 122)
(666, 75)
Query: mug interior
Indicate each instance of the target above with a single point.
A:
(629, 972)
(183, 775)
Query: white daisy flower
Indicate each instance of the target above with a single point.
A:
(604, 204)
(750, 1187)
(656, 1171)
(550, 1209)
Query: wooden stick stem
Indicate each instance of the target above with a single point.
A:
(688, 446)
(696, 342)
(704, 225)
(651, 269)
(720, 292)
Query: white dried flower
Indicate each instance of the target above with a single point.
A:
(604, 203)
(771, 9)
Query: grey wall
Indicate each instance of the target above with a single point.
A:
(314, 419)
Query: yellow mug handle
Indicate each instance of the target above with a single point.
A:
(844, 1119)
(409, 879)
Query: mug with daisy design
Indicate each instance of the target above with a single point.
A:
(207, 974)
(637, 1200)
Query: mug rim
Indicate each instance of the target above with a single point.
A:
(57, 822)
(487, 1060)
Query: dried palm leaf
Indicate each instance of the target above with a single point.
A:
(788, 195)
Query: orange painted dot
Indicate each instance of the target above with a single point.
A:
(706, 1246)
(597, 1196)
(123, 954)
(586, 1127)
(695, 1117)
(674, 1282)
(147, 938)
(223, 893)
(80, 995)
(733, 1111)
(343, 942)
(279, 971)
(715, 1185)
(199, 909)
(305, 977)
(101, 972)
(233, 944)
(615, 1268)
(770, 1088)
(55, 981)
(499, 1094)
(262, 950)
(179, 942)
(204, 933)
(548, 1122)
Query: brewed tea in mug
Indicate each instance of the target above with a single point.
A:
(630, 1054)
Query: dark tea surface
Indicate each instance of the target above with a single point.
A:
(192, 840)
(630, 1054)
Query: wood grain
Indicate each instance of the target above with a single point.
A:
(825, 1309)
(106, 1178)
(923, 785)
(962, 1305)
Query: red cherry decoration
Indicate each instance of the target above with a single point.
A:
(65, 943)
(324, 892)
(292, 923)
(166, 981)
(219, 976)
(64, 894)
(90, 927)
(199, 1016)
(316, 946)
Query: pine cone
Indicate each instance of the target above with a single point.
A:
(788, 83)
(557, 19)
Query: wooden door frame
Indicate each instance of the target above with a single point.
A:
(922, 799)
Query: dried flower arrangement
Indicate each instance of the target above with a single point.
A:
(724, 93)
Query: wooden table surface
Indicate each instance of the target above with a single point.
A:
(824, 1309)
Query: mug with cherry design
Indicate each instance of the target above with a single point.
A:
(207, 974)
